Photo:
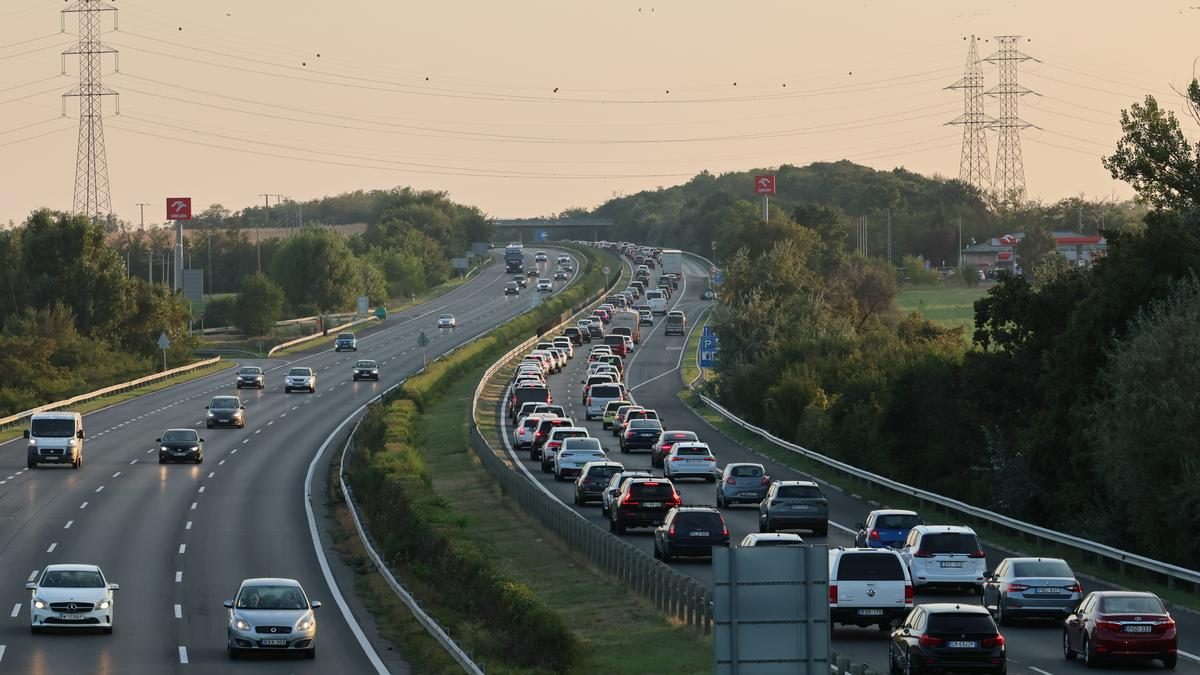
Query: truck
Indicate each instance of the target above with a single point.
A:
(626, 319)
(514, 258)
(672, 262)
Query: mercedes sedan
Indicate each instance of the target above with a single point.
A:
(71, 596)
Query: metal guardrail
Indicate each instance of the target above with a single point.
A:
(114, 389)
(1172, 573)
(314, 336)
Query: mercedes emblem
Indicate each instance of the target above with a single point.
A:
(71, 608)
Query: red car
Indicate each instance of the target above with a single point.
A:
(1112, 625)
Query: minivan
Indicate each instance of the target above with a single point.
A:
(657, 301)
(55, 438)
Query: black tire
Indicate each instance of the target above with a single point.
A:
(162, 460)
(721, 500)
(893, 669)
(1169, 661)
(762, 526)
(910, 668)
(620, 527)
(207, 425)
(710, 479)
(200, 459)
(1068, 653)
(657, 554)
(822, 532)
(1089, 657)
(665, 556)
(30, 464)
(1002, 619)
(233, 652)
(311, 652)
(78, 463)
(612, 525)
(34, 630)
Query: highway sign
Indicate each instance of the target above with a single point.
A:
(764, 185)
(179, 208)
(606, 270)
(164, 342)
(708, 351)
(708, 331)
(719, 278)
(543, 235)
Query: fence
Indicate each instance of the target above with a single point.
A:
(114, 389)
(1172, 574)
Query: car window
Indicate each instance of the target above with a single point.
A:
(896, 521)
(869, 567)
(691, 450)
(52, 427)
(674, 319)
(176, 435)
(651, 490)
(72, 579)
(961, 623)
(250, 371)
(602, 472)
(1042, 568)
(271, 597)
(705, 520)
(223, 403)
(346, 336)
(1136, 604)
(798, 492)
(949, 542)
(606, 391)
(747, 471)
(579, 441)
(298, 372)
(645, 424)
(777, 542)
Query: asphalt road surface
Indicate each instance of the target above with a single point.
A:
(179, 538)
(653, 377)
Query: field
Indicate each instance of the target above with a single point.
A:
(944, 306)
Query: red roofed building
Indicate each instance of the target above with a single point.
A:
(1000, 253)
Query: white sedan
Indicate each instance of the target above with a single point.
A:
(691, 459)
(71, 596)
(545, 286)
(447, 321)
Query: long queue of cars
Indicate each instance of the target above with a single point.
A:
(565, 267)
(872, 583)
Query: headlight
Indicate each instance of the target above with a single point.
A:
(73, 442)
(33, 442)
(241, 624)
(210, 413)
(194, 448)
(163, 448)
(104, 604)
(306, 624)
(39, 604)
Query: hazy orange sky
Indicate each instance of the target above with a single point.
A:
(224, 100)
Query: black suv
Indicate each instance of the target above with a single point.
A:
(574, 334)
(640, 434)
(642, 502)
(690, 530)
(947, 636)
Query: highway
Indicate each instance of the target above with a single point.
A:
(653, 377)
(179, 538)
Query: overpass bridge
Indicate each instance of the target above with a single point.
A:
(532, 230)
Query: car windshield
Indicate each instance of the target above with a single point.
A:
(564, 435)
(677, 319)
(271, 597)
(365, 364)
(778, 542)
(870, 567)
(747, 471)
(298, 372)
(645, 424)
(345, 336)
(961, 623)
(898, 521)
(72, 579)
(180, 435)
(446, 316)
(250, 371)
(1042, 568)
(798, 492)
(224, 403)
(950, 542)
(52, 428)
(1131, 604)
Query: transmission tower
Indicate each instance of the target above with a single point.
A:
(91, 165)
(973, 167)
(1009, 179)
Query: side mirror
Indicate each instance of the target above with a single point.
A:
(32, 585)
(79, 434)
(158, 440)
(201, 440)
(206, 407)
(243, 407)
(25, 433)
(114, 587)
(315, 604)
(228, 604)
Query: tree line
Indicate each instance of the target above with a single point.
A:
(1071, 405)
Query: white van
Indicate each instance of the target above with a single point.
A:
(657, 301)
(868, 586)
(55, 438)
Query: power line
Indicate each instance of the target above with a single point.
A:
(1105, 79)
(29, 96)
(33, 39)
(57, 45)
(29, 126)
(33, 138)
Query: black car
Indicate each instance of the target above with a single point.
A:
(592, 480)
(595, 330)
(532, 274)
(640, 434)
(520, 280)
(575, 334)
(690, 531)
(225, 411)
(366, 369)
(642, 502)
(180, 445)
(946, 637)
(511, 288)
(251, 376)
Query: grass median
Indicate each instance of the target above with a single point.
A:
(1003, 539)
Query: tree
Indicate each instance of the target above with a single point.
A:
(316, 270)
(1037, 244)
(1155, 157)
(259, 305)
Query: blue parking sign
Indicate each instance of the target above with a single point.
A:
(708, 351)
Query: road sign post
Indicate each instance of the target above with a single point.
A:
(164, 343)
(606, 271)
(708, 349)
(765, 186)
(179, 209)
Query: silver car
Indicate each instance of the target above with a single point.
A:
(742, 483)
(271, 615)
(300, 378)
(1031, 587)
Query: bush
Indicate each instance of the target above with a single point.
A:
(219, 312)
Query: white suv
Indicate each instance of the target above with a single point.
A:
(868, 586)
(945, 555)
(300, 378)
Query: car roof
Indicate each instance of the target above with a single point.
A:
(571, 429)
(56, 415)
(181, 429)
(72, 567)
(732, 465)
(774, 536)
(1125, 594)
(782, 483)
(893, 512)
(697, 509)
(690, 444)
(956, 608)
(934, 529)
(270, 581)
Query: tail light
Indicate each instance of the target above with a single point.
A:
(628, 500)
(731, 481)
(908, 595)
(976, 554)
(680, 459)
(766, 480)
(1109, 625)
(997, 641)
(674, 500)
(833, 596)
(922, 554)
(1016, 588)
(930, 641)
(724, 528)
(672, 530)
(1075, 588)
(875, 535)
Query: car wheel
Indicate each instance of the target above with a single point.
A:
(208, 425)
(1068, 653)
(893, 668)
(233, 652)
(619, 526)
(577, 502)
(910, 668)
(762, 526)
(665, 556)
(79, 462)
(1169, 661)
(612, 525)
(710, 479)
(311, 652)
(200, 459)
(107, 630)
(657, 554)
(1001, 618)
(1089, 657)
(162, 460)
(30, 464)
(822, 532)
(34, 630)
(721, 500)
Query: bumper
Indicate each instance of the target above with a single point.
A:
(589, 495)
(45, 618)
(1146, 648)
(641, 518)
(292, 386)
(68, 457)
(257, 384)
(929, 578)
(249, 640)
(224, 422)
(183, 456)
(349, 348)
(367, 376)
(797, 521)
(682, 472)
(1056, 608)
(644, 444)
(671, 330)
(704, 550)
(569, 472)
(735, 496)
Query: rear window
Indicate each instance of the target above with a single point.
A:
(651, 490)
(613, 406)
(614, 339)
(563, 435)
(1042, 568)
(950, 542)
(525, 394)
(547, 425)
(602, 472)
(747, 472)
(645, 424)
(701, 519)
(692, 451)
(869, 567)
(800, 492)
(675, 320)
(961, 623)
(1143, 604)
(606, 391)
(898, 521)
(654, 295)
(580, 442)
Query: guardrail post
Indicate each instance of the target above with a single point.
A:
(858, 669)
(843, 664)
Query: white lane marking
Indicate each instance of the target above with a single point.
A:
(1, 652)
(179, 576)
(16, 610)
(244, 441)
(282, 415)
(257, 431)
(295, 407)
(32, 575)
(150, 451)
(116, 474)
(220, 462)
(1187, 655)
(182, 548)
(183, 654)
(178, 611)
(100, 489)
(201, 488)
(52, 547)
(68, 525)
(234, 451)
(188, 526)
(1039, 670)
(133, 462)
(83, 505)
(211, 474)
(843, 528)
(193, 506)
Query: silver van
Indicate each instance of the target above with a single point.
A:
(55, 438)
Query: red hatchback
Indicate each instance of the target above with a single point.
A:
(1112, 625)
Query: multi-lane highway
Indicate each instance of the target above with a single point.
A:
(179, 538)
(652, 375)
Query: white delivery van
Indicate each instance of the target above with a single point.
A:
(55, 438)
(657, 301)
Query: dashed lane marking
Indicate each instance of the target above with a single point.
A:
(32, 575)
(201, 488)
(68, 525)
(100, 489)
(188, 526)
(183, 655)
(52, 547)
(116, 474)
(179, 576)
(182, 548)
(193, 509)
(178, 611)
(16, 610)
(83, 505)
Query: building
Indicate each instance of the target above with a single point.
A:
(1000, 253)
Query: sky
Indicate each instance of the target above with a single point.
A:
(528, 107)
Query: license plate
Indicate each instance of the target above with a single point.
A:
(870, 612)
(952, 563)
(1138, 629)
(699, 533)
(273, 643)
(653, 505)
(800, 507)
(1049, 589)
(747, 494)
(70, 617)
(962, 644)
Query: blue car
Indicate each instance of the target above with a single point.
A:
(886, 528)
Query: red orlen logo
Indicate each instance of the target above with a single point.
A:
(179, 208)
(764, 185)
